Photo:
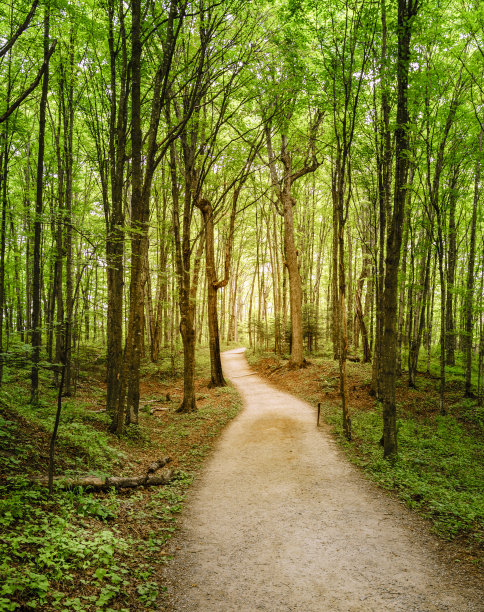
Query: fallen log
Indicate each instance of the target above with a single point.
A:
(149, 480)
(94, 483)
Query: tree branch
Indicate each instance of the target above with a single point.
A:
(30, 89)
(20, 30)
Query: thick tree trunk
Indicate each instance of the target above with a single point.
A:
(295, 290)
(217, 378)
(187, 329)
(139, 224)
(186, 291)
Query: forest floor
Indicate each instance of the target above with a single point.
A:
(102, 551)
(111, 551)
(280, 520)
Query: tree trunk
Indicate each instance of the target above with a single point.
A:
(295, 291)
(336, 321)
(139, 222)
(287, 202)
(37, 255)
(4, 155)
(343, 348)
(217, 378)
(407, 9)
(415, 338)
(68, 154)
(451, 265)
(469, 296)
(115, 221)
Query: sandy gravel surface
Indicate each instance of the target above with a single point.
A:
(279, 521)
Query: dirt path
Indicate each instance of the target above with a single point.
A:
(280, 522)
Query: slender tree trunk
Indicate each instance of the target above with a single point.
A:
(4, 155)
(407, 9)
(384, 160)
(421, 307)
(115, 222)
(37, 255)
(68, 135)
(336, 321)
(451, 265)
(343, 348)
(402, 292)
(469, 296)
(480, 365)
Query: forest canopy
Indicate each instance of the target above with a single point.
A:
(300, 175)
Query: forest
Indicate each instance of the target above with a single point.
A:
(299, 177)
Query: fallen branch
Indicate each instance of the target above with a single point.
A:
(159, 409)
(156, 465)
(150, 479)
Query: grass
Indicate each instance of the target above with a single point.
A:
(83, 551)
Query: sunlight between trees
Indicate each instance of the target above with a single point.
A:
(298, 175)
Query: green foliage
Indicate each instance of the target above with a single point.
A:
(50, 542)
(93, 446)
(46, 545)
(468, 410)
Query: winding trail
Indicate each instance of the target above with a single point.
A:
(280, 521)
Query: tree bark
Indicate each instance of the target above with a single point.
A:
(407, 9)
(451, 265)
(283, 191)
(469, 295)
(217, 378)
(37, 255)
(113, 206)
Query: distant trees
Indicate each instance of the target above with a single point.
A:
(305, 176)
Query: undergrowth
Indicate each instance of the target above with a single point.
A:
(439, 470)
(82, 551)
(64, 553)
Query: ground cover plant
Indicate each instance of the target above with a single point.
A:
(80, 550)
(439, 471)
